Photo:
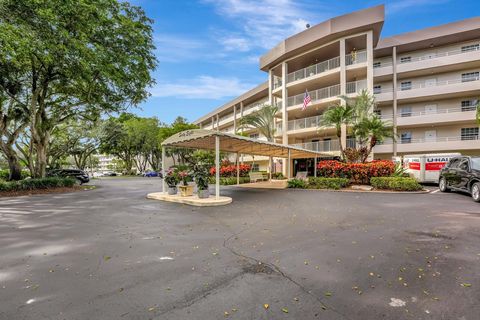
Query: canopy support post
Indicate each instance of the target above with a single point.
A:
(238, 169)
(270, 164)
(217, 167)
(315, 167)
(163, 169)
(288, 165)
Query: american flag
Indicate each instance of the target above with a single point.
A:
(306, 100)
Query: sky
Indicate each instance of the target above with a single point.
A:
(208, 50)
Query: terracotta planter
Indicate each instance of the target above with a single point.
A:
(203, 194)
(172, 190)
(186, 191)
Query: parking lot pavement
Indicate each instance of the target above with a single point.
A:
(272, 254)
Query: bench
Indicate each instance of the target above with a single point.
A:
(255, 176)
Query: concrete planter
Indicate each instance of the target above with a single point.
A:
(172, 190)
(186, 191)
(203, 194)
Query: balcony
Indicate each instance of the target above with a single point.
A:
(327, 92)
(314, 70)
(253, 107)
(355, 58)
(320, 146)
(305, 123)
(430, 145)
(453, 115)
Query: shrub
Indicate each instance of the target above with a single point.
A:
(355, 172)
(327, 183)
(395, 183)
(297, 184)
(278, 176)
(36, 184)
(230, 170)
(5, 173)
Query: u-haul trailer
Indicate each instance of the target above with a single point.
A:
(426, 167)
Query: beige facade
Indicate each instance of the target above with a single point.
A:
(425, 84)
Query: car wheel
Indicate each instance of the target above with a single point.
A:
(476, 192)
(442, 185)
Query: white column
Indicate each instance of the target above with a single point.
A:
(288, 165)
(270, 162)
(395, 105)
(241, 116)
(238, 169)
(270, 87)
(235, 119)
(315, 167)
(218, 122)
(217, 167)
(284, 110)
(163, 169)
(343, 87)
(370, 61)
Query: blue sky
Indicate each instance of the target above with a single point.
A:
(208, 50)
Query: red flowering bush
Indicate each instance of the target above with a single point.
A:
(230, 170)
(355, 172)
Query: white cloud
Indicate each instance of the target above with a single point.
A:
(202, 87)
(398, 6)
(173, 48)
(235, 43)
(266, 22)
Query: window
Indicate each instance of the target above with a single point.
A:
(469, 105)
(453, 163)
(406, 111)
(463, 165)
(378, 112)
(254, 136)
(405, 59)
(469, 133)
(255, 167)
(377, 64)
(470, 76)
(471, 47)
(377, 89)
(406, 85)
(406, 137)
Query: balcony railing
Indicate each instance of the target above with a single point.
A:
(314, 70)
(432, 140)
(356, 86)
(320, 146)
(253, 107)
(351, 143)
(298, 124)
(357, 57)
(277, 82)
(380, 64)
(430, 56)
(414, 86)
(315, 95)
(438, 111)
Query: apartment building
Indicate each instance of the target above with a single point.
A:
(425, 83)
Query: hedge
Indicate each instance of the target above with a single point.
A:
(327, 183)
(35, 184)
(5, 173)
(395, 183)
(360, 173)
(230, 170)
(228, 181)
(297, 184)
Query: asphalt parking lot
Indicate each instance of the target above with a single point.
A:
(272, 254)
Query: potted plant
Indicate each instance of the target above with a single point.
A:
(185, 190)
(171, 178)
(201, 175)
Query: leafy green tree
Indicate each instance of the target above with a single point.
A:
(337, 115)
(73, 59)
(263, 120)
(179, 155)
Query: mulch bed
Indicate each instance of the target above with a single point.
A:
(44, 191)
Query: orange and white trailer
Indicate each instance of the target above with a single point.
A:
(426, 167)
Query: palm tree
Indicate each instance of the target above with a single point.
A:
(263, 120)
(372, 130)
(337, 115)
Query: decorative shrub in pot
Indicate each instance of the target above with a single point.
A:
(171, 178)
(185, 189)
(201, 175)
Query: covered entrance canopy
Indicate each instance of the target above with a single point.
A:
(227, 142)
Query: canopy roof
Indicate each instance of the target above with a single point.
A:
(205, 139)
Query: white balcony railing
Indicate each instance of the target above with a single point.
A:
(439, 111)
(314, 69)
(320, 146)
(356, 86)
(430, 56)
(432, 140)
(381, 64)
(357, 57)
(310, 122)
(315, 95)
(277, 82)
(420, 85)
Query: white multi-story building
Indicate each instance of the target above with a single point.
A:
(425, 84)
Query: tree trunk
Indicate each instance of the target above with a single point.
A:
(41, 165)
(13, 163)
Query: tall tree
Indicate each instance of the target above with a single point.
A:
(73, 58)
(338, 115)
(263, 120)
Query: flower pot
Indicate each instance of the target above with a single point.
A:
(203, 194)
(186, 191)
(172, 190)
